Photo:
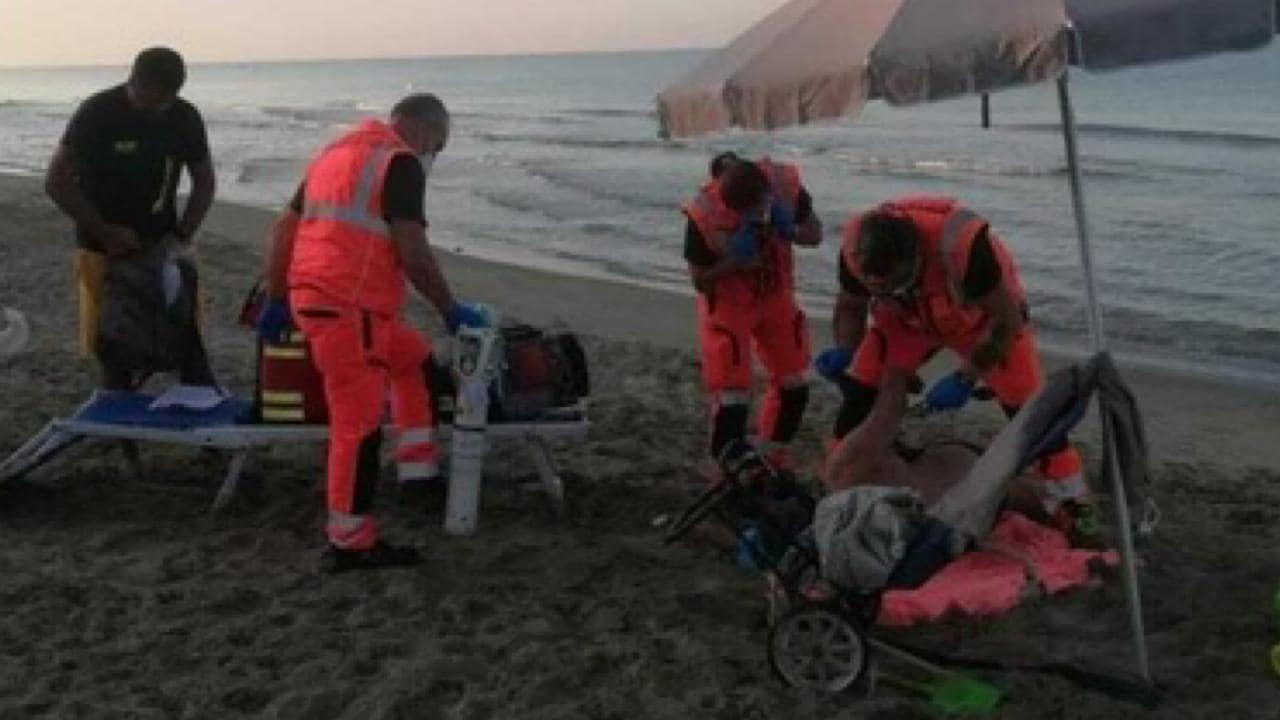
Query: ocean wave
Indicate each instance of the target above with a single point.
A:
(593, 189)
(615, 113)
(312, 116)
(1128, 132)
(10, 168)
(518, 203)
(1178, 336)
(270, 169)
(577, 142)
(945, 166)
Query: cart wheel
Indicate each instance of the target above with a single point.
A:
(817, 648)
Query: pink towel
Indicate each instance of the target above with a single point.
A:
(989, 583)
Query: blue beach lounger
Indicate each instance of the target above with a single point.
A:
(126, 416)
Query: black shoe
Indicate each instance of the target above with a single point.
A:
(381, 555)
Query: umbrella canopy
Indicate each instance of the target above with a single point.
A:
(816, 59)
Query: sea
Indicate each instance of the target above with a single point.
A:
(555, 162)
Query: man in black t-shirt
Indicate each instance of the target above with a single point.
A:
(116, 173)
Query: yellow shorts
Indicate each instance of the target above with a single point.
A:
(90, 268)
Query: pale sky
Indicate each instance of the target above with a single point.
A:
(110, 32)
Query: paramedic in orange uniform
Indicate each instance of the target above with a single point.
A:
(338, 263)
(931, 274)
(738, 243)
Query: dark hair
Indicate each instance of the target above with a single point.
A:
(742, 185)
(721, 162)
(159, 68)
(885, 241)
(424, 107)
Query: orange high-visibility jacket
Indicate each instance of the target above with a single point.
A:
(946, 231)
(717, 223)
(343, 247)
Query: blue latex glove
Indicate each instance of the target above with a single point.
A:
(949, 393)
(783, 222)
(749, 541)
(832, 362)
(464, 314)
(745, 243)
(274, 322)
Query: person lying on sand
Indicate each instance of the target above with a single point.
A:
(892, 517)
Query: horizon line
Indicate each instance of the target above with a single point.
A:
(283, 61)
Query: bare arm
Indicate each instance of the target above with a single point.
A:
(419, 263)
(203, 186)
(280, 254)
(61, 187)
(1006, 322)
(858, 457)
(849, 320)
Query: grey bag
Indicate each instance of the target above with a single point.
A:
(145, 307)
(862, 533)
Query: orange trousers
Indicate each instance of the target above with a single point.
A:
(890, 342)
(729, 336)
(363, 357)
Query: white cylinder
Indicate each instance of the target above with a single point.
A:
(473, 360)
(466, 468)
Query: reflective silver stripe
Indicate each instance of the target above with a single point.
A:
(734, 397)
(346, 522)
(1071, 487)
(953, 227)
(356, 212)
(417, 436)
(364, 221)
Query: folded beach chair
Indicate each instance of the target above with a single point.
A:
(824, 642)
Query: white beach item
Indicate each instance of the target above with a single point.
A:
(475, 360)
(190, 397)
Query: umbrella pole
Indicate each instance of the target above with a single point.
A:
(1099, 344)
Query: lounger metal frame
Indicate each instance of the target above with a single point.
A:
(65, 434)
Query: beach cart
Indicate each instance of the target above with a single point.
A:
(820, 634)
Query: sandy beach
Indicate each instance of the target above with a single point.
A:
(122, 596)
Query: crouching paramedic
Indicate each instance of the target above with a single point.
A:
(931, 274)
(342, 252)
(738, 244)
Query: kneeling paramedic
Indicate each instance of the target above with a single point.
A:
(738, 244)
(341, 253)
(931, 274)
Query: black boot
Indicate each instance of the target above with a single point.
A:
(381, 555)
